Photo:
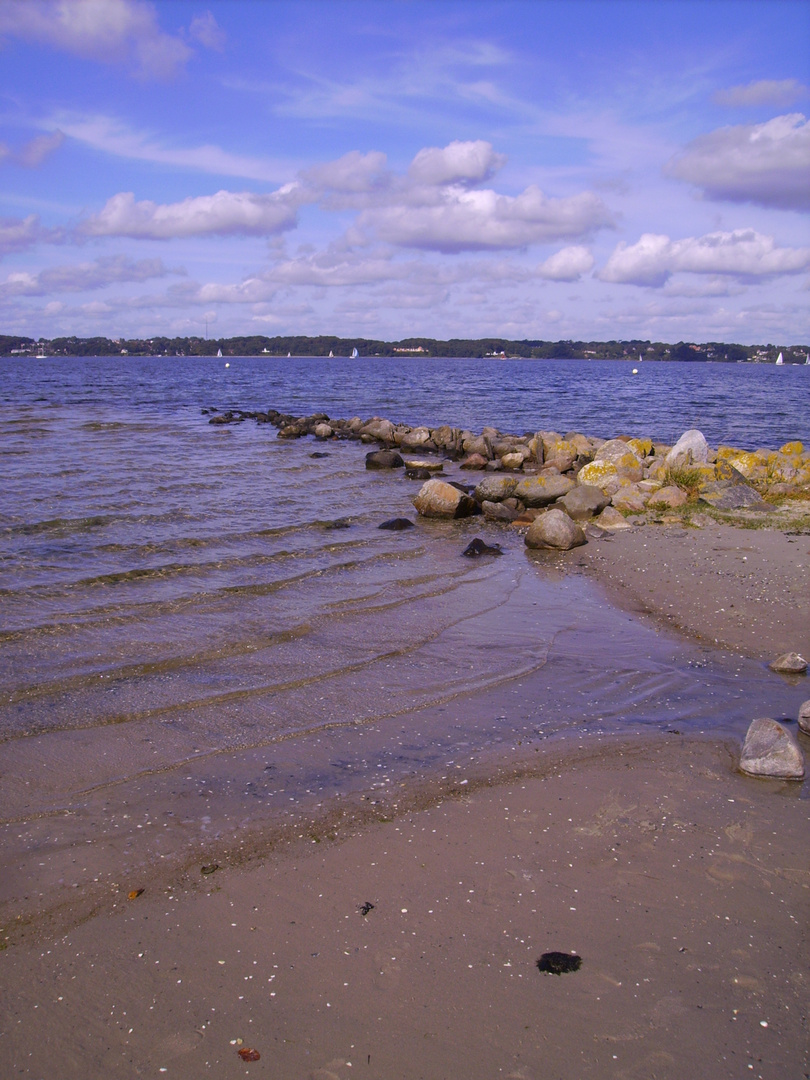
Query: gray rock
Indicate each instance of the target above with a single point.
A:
(498, 511)
(544, 488)
(438, 499)
(495, 488)
(554, 529)
(804, 717)
(583, 502)
(384, 459)
(668, 498)
(731, 495)
(770, 750)
(611, 519)
(323, 431)
(690, 449)
(789, 663)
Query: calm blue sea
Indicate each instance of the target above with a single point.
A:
(204, 631)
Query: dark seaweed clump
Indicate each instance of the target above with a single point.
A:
(559, 963)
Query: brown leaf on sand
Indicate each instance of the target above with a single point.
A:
(247, 1053)
(134, 894)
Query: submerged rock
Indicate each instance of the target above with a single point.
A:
(384, 459)
(554, 529)
(478, 547)
(789, 663)
(397, 524)
(770, 750)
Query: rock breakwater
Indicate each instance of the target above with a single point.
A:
(587, 478)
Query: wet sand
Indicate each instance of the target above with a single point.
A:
(683, 886)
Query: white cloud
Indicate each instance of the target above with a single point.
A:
(454, 219)
(205, 29)
(17, 234)
(354, 173)
(38, 149)
(110, 136)
(110, 31)
(777, 92)
(767, 164)
(226, 213)
(741, 253)
(81, 277)
(567, 265)
(457, 163)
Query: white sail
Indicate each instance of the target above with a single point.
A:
(331, 354)
(355, 354)
(219, 352)
(780, 360)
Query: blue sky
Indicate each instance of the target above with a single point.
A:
(589, 169)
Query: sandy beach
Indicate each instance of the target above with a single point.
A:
(408, 947)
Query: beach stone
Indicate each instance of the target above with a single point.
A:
(477, 444)
(474, 462)
(730, 495)
(790, 663)
(616, 452)
(417, 438)
(804, 717)
(544, 488)
(668, 498)
(554, 529)
(611, 519)
(583, 502)
(438, 499)
(630, 497)
(560, 453)
(770, 750)
(513, 461)
(793, 449)
(384, 459)
(323, 431)
(495, 488)
(427, 466)
(499, 511)
(690, 449)
(377, 428)
(478, 547)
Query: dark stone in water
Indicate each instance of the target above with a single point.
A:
(384, 459)
(319, 454)
(338, 523)
(478, 547)
(559, 963)
(418, 474)
(396, 524)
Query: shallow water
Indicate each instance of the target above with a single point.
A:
(204, 630)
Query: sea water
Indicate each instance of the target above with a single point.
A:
(203, 628)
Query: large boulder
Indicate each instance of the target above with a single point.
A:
(438, 499)
(630, 498)
(611, 519)
(770, 750)
(543, 488)
(376, 428)
(417, 438)
(667, 498)
(583, 502)
(627, 462)
(495, 488)
(556, 530)
(384, 459)
(690, 449)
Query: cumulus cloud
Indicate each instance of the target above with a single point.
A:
(767, 164)
(567, 265)
(354, 173)
(454, 219)
(741, 253)
(226, 213)
(110, 31)
(17, 234)
(457, 163)
(777, 92)
(83, 277)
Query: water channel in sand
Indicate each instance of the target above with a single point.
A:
(207, 640)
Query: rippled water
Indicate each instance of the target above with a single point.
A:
(200, 626)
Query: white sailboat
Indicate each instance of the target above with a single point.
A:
(331, 355)
(355, 354)
(780, 360)
(41, 354)
(219, 352)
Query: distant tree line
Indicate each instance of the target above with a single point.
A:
(474, 348)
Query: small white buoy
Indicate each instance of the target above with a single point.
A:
(227, 365)
(635, 370)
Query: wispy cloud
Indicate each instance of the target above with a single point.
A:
(781, 93)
